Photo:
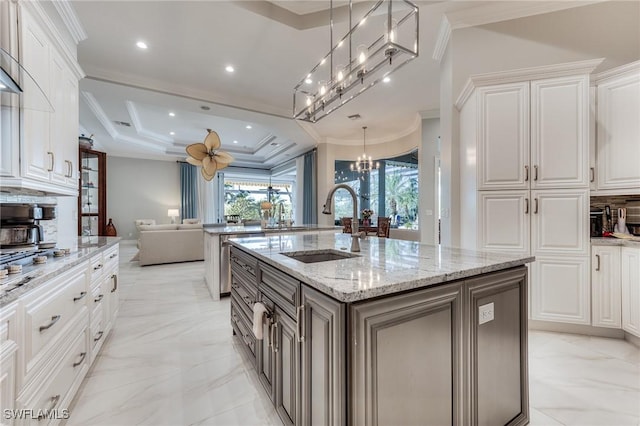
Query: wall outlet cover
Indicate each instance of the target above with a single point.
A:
(485, 313)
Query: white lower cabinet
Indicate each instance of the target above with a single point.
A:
(49, 338)
(606, 301)
(560, 289)
(630, 275)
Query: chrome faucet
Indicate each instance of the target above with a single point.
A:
(280, 205)
(355, 244)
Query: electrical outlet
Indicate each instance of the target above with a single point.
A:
(485, 313)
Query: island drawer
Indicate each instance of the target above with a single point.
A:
(111, 258)
(243, 330)
(245, 262)
(245, 301)
(241, 277)
(281, 288)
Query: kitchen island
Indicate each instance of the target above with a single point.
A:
(399, 333)
(216, 250)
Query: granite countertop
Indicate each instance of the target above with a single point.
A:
(36, 275)
(257, 229)
(610, 241)
(383, 266)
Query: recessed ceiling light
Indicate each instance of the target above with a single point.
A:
(308, 80)
(172, 133)
(205, 108)
(2, 86)
(248, 126)
(386, 80)
(229, 68)
(172, 114)
(142, 45)
(235, 141)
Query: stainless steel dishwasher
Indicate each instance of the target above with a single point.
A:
(225, 261)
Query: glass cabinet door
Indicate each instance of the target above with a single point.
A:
(92, 198)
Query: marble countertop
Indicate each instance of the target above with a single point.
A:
(610, 241)
(256, 229)
(383, 266)
(36, 275)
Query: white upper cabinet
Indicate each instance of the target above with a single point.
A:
(618, 132)
(559, 132)
(503, 136)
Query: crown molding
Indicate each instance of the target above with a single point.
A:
(524, 74)
(310, 130)
(69, 56)
(101, 116)
(70, 20)
(137, 124)
(444, 33)
(632, 67)
(508, 10)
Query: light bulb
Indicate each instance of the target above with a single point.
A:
(340, 75)
(323, 88)
(392, 31)
(308, 101)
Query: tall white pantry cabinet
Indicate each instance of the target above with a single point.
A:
(525, 174)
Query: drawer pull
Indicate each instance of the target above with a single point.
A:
(113, 255)
(299, 319)
(54, 319)
(535, 172)
(99, 298)
(275, 337)
(598, 259)
(54, 402)
(100, 333)
(248, 301)
(95, 268)
(114, 277)
(593, 174)
(50, 169)
(526, 173)
(83, 355)
(82, 295)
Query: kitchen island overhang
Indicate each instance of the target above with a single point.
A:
(397, 334)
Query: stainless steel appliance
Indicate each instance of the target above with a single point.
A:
(18, 226)
(596, 222)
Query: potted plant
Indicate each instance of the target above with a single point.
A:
(366, 215)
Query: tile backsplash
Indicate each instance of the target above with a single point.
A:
(50, 227)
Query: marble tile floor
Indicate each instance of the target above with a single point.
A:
(171, 360)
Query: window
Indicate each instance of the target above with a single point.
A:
(245, 198)
(390, 191)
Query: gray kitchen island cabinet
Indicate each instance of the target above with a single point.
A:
(369, 340)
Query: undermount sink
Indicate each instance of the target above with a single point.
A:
(314, 256)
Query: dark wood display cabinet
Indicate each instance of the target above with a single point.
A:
(92, 199)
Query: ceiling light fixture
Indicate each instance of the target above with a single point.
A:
(386, 80)
(390, 45)
(142, 45)
(172, 133)
(248, 126)
(229, 69)
(235, 141)
(172, 114)
(364, 164)
(208, 155)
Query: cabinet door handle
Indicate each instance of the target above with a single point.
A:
(598, 262)
(526, 173)
(535, 172)
(275, 337)
(54, 319)
(100, 333)
(95, 268)
(593, 174)
(526, 206)
(113, 255)
(54, 402)
(69, 169)
(82, 295)
(99, 298)
(299, 321)
(535, 204)
(114, 277)
(83, 355)
(271, 328)
(50, 169)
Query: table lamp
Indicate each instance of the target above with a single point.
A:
(173, 213)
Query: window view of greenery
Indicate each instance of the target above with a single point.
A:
(390, 191)
(247, 200)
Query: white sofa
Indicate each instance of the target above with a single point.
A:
(159, 244)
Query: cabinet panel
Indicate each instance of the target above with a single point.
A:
(560, 289)
(323, 354)
(287, 368)
(503, 220)
(618, 149)
(559, 132)
(606, 299)
(631, 290)
(560, 222)
(503, 143)
(407, 342)
(57, 124)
